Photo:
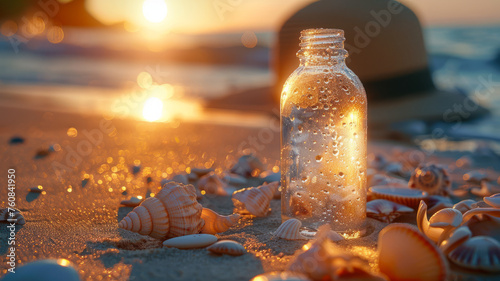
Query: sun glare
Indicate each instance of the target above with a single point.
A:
(154, 11)
(153, 109)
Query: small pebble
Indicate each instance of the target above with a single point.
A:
(192, 241)
(16, 140)
(227, 247)
(132, 202)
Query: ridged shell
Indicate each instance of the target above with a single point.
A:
(5, 216)
(464, 205)
(227, 247)
(173, 212)
(405, 196)
(440, 223)
(212, 184)
(255, 200)
(290, 230)
(215, 223)
(386, 211)
(280, 276)
(485, 189)
(246, 166)
(493, 200)
(405, 254)
(432, 179)
(457, 237)
(478, 253)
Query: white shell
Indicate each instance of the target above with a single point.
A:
(436, 203)
(290, 230)
(486, 189)
(457, 237)
(44, 270)
(440, 223)
(432, 179)
(132, 202)
(192, 241)
(212, 184)
(475, 177)
(227, 247)
(246, 165)
(405, 196)
(280, 276)
(255, 200)
(215, 223)
(464, 205)
(478, 253)
(385, 210)
(493, 200)
(405, 254)
(5, 216)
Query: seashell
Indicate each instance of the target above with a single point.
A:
(181, 178)
(11, 215)
(280, 276)
(191, 241)
(377, 161)
(405, 196)
(457, 237)
(200, 172)
(45, 270)
(227, 247)
(255, 200)
(432, 179)
(384, 180)
(439, 224)
(486, 189)
(478, 253)
(493, 200)
(36, 189)
(246, 166)
(464, 205)
(484, 225)
(234, 179)
(173, 212)
(405, 254)
(212, 184)
(290, 230)
(132, 202)
(386, 211)
(475, 177)
(215, 223)
(326, 231)
(480, 211)
(436, 203)
(396, 168)
(480, 204)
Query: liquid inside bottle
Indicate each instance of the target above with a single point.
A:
(323, 138)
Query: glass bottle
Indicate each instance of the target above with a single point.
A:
(323, 138)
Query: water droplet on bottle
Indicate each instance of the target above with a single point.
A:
(345, 88)
(341, 174)
(309, 96)
(352, 99)
(319, 158)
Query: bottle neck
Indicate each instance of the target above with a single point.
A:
(322, 47)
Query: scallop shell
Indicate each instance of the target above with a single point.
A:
(432, 179)
(191, 241)
(464, 205)
(478, 253)
(485, 189)
(386, 211)
(215, 223)
(290, 230)
(405, 254)
(173, 212)
(132, 202)
(405, 196)
(457, 237)
(436, 203)
(227, 247)
(246, 166)
(440, 223)
(212, 184)
(255, 200)
(17, 217)
(280, 276)
(493, 200)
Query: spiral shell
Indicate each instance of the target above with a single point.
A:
(246, 166)
(440, 223)
(290, 230)
(227, 247)
(212, 184)
(405, 254)
(255, 200)
(173, 212)
(478, 253)
(17, 217)
(215, 223)
(432, 179)
(386, 211)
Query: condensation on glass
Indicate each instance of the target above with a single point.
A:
(323, 138)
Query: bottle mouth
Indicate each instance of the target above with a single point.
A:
(321, 37)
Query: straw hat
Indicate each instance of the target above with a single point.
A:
(386, 50)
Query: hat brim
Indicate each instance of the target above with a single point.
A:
(434, 105)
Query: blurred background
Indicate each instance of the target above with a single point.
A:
(190, 60)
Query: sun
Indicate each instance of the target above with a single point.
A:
(154, 11)
(153, 109)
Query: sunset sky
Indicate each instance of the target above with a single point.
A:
(200, 16)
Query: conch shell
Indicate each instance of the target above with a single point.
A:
(290, 230)
(439, 224)
(478, 253)
(215, 223)
(173, 212)
(255, 200)
(432, 179)
(212, 184)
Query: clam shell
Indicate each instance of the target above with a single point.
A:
(493, 200)
(464, 205)
(457, 237)
(132, 202)
(173, 212)
(247, 165)
(386, 211)
(5, 216)
(486, 189)
(215, 223)
(440, 223)
(404, 196)
(255, 200)
(432, 179)
(280, 276)
(191, 241)
(290, 230)
(405, 254)
(478, 253)
(212, 184)
(476, 177)
(227, 247)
